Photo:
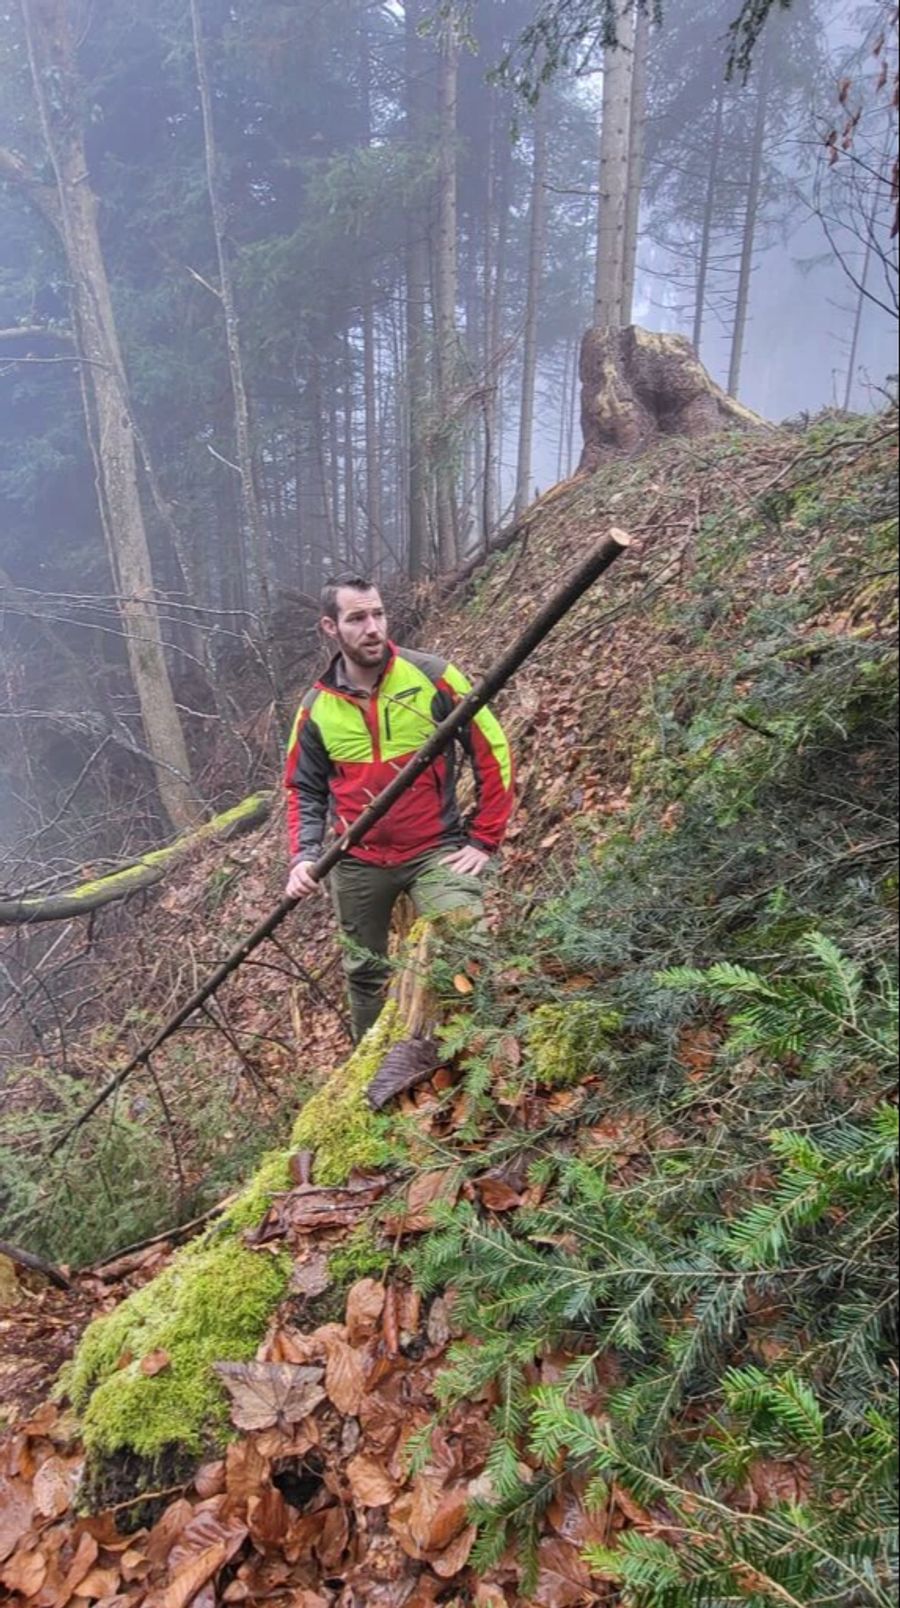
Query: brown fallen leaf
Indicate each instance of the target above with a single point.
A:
(345, 1377)
(463, 984)
(99, 1583)
(497, 1195)
(311, 1278)
(83, 1561)
(166, 1531)
(365, 1305)
(405, 1066)
(457, 1555)
(205, 1545)
(370, 1482)
(155, 1362)
(16, 1511)
(563, 1579)
(209, 1479)
(25, 1573)
(54, 1485)
(269, 1394)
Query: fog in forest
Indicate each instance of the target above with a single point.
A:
(287, 289)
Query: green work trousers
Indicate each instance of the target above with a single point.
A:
(364, 897)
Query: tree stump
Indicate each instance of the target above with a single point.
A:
(638, 387)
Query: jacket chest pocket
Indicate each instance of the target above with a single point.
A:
(407, 722)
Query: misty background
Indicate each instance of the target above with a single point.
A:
(292, 287)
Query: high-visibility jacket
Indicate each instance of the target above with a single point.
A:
(346, 746)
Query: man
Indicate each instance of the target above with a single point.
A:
(372, 710)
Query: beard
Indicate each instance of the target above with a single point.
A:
(364, 655)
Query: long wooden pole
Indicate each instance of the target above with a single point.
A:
(600, 560)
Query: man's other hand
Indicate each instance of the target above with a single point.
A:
(301, 882)
(469, 862)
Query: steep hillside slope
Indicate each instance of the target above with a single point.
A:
(602, 1309)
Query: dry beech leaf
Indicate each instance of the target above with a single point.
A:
(269, 1394)
(54, 1486)
(405, 1066)
(365, 1305)
(345, 1378)
(166, 1531)
(463, 984)
(209, 1479)
(311, 1278)
(155, 1362)
(457, 1554)
(25, 1573)
(203, 1548)
(564, 1580)
(83, 1561)
(370, 1483)
(16, 1510)
(99, 1583)
(496, 1195)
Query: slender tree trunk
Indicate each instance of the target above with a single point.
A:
(640, 74)
(416, 304)
(754, 189)
(709, 212)
(530, 340)
(495, 294)
(615, 167)
(72, 209)
(256, 526)
(349, 448)
(446, 279)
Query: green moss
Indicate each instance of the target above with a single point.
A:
(360, 1258)
(211, 1304)
(338, 1123)
(564, 1040)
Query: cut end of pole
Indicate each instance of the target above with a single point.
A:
(620, 537)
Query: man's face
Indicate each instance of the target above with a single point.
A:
(360, 630)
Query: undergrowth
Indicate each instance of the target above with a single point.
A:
(708, 1253)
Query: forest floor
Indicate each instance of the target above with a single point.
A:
(674, 779)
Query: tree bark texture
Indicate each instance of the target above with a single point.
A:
(530, 341)
(638, 387)
(709, 212)
(615, 167)
(253, 515)
(105, 394)
(416, 305)
(636, 159)
(748, 245)
(446, 284)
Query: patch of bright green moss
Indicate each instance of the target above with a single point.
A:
(338, 1123)
(564, 1040)
(211, 1304)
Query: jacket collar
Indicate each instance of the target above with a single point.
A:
(335, 678)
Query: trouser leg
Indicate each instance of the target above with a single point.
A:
(436, 890)
(364, 897)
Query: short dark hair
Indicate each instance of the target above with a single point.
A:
(343, 583)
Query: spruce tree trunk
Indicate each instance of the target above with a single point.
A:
(494, 293)
(105, 393)
(637, 158)
(416, 304)
(709, 212)
(530, 343)
(615, 168)
(253, 515)
(754, 188)
(349, 447)
(446, 284)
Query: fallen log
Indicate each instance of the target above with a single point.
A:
(604, 555)
(144, 873)
(35, 1264)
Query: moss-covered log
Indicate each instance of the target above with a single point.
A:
(144, 873)
(638, 386)
(215, 1299)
